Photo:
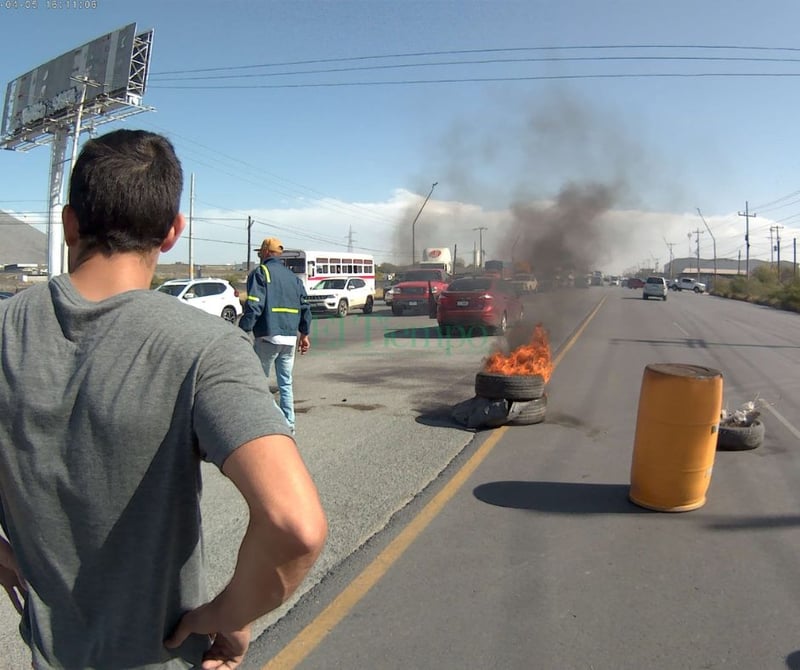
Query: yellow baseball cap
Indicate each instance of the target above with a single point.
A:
(270, 244)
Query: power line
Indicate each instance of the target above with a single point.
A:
(323, 200)
(479, 80)
(491, 61)
(770, 204)
(453, 52)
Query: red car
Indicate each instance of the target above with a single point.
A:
(490, 302)
(635, 282)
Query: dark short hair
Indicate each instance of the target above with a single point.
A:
(125, 190)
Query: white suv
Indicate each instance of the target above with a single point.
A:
(655, 287)
(340, 295)
(215, 296)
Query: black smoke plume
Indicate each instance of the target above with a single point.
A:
(564, 236)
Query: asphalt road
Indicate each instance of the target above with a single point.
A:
(538, 560)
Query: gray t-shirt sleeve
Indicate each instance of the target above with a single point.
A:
(233, 403)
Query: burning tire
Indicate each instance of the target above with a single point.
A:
(740, 438)
(510, 387)
(530, 411)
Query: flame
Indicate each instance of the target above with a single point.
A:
(528, 359)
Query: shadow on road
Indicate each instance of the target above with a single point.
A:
(559, 497)
(422, 333)
(757, 523)
(696, 343)
(440, 416)
(432, 332)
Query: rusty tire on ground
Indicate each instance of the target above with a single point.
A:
(740, 438)
(509, 387)
(530, 411)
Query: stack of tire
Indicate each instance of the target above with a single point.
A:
(525, 393)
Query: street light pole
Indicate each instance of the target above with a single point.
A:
(480, 230)
(414, 225)
(713, 240)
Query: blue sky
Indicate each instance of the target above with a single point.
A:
(320, 158)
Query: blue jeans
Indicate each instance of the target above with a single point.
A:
(283, 357)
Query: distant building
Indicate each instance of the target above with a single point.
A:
(705, 268)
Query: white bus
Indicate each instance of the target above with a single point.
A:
(314, 266)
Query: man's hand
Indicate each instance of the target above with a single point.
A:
(10, 576)
(304, 344)
(227, 650)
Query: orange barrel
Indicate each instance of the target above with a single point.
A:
(676, 436)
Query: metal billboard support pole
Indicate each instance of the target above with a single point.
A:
(191, 222)
(76, 133)
(55, 231)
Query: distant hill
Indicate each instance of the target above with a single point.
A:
(20, 242)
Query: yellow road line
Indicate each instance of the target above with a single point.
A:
(571, 341)
(312, 635)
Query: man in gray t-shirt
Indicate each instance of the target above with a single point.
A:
(110, 396)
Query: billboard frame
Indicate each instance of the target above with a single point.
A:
(57, 104)
(63, 109)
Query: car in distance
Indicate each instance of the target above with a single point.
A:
(212, 295)
(339, 295)
(489, 302)
(635, 282)
(655, 287)
(526, 283)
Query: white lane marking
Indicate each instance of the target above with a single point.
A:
(678, 326)
(784, 421)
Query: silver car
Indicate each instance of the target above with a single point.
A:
(655, 287)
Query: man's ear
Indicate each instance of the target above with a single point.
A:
(174, 233)
(70, 222)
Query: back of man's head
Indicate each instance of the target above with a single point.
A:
(125, 190)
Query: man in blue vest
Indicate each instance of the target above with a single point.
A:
(275, 312)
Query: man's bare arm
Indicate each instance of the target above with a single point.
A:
(284, 537)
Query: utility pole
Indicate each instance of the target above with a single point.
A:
(771, 248)
(713, 239)
(777, 246)
(414, 224)
(480, 230)
(747, 215)
(350, 240)
(671, 257)
(249, 242)
(794, 257)
(697, 233)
